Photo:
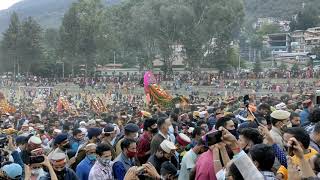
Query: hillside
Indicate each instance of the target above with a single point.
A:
(284, 9)
(49, 12)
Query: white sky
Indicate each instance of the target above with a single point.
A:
(5, 4)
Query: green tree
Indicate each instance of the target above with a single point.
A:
(257, 67)
(10, 43)
(30, 43)
(307, 18)
(70, 37)
(269, 28)
(283, 66)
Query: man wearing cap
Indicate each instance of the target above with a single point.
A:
(143, 146)
(125, 159)
(59, 162)
(11, 171)
(163, 126)
(62, 145)
(279, 120)
(102, 169)
(109, 133)
(130, 132)
(84, 167)
(182, 141)
(307, 108)
(164, 153)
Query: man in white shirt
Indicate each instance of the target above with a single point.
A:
(189, 161)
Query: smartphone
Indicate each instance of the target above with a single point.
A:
(246, 100)
(140, 170)
(36, 159)
(213, 138)
(317, 97)
(290, 149)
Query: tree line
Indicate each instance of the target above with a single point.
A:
(135, 32)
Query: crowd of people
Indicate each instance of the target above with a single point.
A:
(252, 139)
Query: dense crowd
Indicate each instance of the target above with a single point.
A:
(258, 138)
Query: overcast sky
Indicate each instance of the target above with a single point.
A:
(5, 4)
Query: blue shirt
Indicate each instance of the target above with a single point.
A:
(83, 168)
(304, 115)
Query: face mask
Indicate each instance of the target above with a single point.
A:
(37, 171)
(105, 161)
(92, 157)
(234, 132)
(131, 154)
(154, 130)
(171, 130)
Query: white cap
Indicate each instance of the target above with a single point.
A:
(190, 130)
(167, 146)
(58, 131)
(34, 140)
(91, 122)
(281, 106)
(82, 123)
(280, 114)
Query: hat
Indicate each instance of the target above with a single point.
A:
(94, 132)
(146, 114)
(131, 128)
(12, 170)
(34, 140)
(149, 122)
(83, 123)
(58, 158)
(183, 139)
(21, 140)
(190, 130)
(281, 106)
(60, 138)
(91, 122)
(37, 152)
(98, 120)
(108, 129)
(167, 146)
(202, 114)
(90, 146)
(196, 114)
(280, 114)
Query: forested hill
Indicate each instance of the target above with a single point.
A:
(50, 12)
(284, 9)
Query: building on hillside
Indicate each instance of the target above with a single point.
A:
(297, 41)
(279, 43)
(312, 38)
(283, 24)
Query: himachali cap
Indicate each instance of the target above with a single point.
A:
(90, 146)
(57, 131)
(167, 146)
(83, 123)
(280, 114)
(37, 152)
(131, 128)
(183, 139)
(34, 140)
(58, 158)
(91, 122)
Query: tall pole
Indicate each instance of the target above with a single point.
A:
(63, 70)
(114, 60)
(239, 62)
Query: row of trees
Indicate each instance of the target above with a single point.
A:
(134, 32)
